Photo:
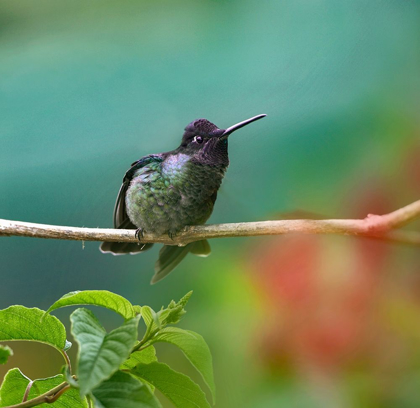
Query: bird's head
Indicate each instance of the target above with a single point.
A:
(208, 144)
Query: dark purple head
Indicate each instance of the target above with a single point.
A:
(202, 128)
(207, 143)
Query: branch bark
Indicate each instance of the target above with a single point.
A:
(374, 226)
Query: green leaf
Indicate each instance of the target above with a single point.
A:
(150, 318)
(21, 323)
(5, 353)
(124, 391)
(137, 309)
(100, 354)
(177, 387)
(102, 298)
(145, 356)
(171, 315)
(174, 312)
(15, 384)
(183, 302)
(13, 387)
(195, 349)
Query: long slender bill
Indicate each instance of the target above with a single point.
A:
(231, 129)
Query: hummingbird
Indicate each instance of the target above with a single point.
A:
(165, 192)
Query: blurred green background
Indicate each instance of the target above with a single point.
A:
(86, 88)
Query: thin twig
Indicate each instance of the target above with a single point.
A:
(27, 391)
(52, 398)
(48, 397)
(376, 226)
(66, 357)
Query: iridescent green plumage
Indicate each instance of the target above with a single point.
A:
(163, 193)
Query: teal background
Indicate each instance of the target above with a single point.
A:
(86, 88)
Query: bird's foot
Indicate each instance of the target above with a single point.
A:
(172, 234)
(139, 234)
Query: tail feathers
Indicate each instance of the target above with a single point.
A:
(200, 248)
(170, 256)
(123, 248)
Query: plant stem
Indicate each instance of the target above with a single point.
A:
(66, 357)
(48, 397)
(143, 341)
(27, 391)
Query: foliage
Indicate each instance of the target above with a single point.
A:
(5, 353)
(114, 369)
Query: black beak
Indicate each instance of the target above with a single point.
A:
(231, 129)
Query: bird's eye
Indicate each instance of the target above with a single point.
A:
(198, 139)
